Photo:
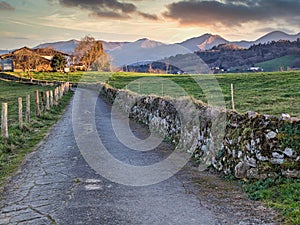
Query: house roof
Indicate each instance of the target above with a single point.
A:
(42, 52)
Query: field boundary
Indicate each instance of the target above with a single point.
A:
(254, 146)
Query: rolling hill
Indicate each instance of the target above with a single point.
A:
(144, 50)
(62, 46)
(272, 36)
(3, 52)
(274, 65)
(69, 46)
(228, 57)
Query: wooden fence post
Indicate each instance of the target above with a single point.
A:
(60, 91)
(4, 127)
(67, 85)
(56, 96)
(20, 104)
(47, 101)
(37, 104)
(232, 97)
(51, 98)
(28, 109)
(43, 101)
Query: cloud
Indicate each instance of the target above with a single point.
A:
(107, 8)
(4, 6)
(270, 29)
(148, 16)
(102, 8)
(232, 13)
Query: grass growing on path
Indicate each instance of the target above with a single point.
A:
(281, 194)
(21, 142)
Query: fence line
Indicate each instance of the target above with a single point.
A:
(48, 100)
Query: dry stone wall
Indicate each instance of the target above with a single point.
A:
(253, 146)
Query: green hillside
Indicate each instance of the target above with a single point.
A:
(275, 64)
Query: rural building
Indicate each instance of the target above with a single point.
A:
(30, 59)
(78, 67)
(255, 69)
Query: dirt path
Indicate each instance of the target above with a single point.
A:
(57, 186)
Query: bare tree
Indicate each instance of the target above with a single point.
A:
(88, 51)
(95, 52)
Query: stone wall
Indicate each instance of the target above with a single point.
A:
(252, 145)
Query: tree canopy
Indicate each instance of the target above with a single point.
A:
(88, 51)
(58, 61)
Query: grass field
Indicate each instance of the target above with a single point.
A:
(21, 142)
(9, 93)
(268, 93)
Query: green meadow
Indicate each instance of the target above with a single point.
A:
(267, 93)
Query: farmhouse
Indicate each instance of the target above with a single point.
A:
(28, 59)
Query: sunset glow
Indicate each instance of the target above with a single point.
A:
(31, 22)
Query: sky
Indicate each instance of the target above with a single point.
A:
(32, 22)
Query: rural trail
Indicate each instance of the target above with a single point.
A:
(57, 186)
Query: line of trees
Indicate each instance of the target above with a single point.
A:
(58, 62)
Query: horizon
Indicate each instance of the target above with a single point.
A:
(30, 23)
(109, 41)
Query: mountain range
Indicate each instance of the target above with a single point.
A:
(136, 52)
(126, 53)
(69, 46)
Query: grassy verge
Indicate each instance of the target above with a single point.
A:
(21, 142)
(281, 193)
